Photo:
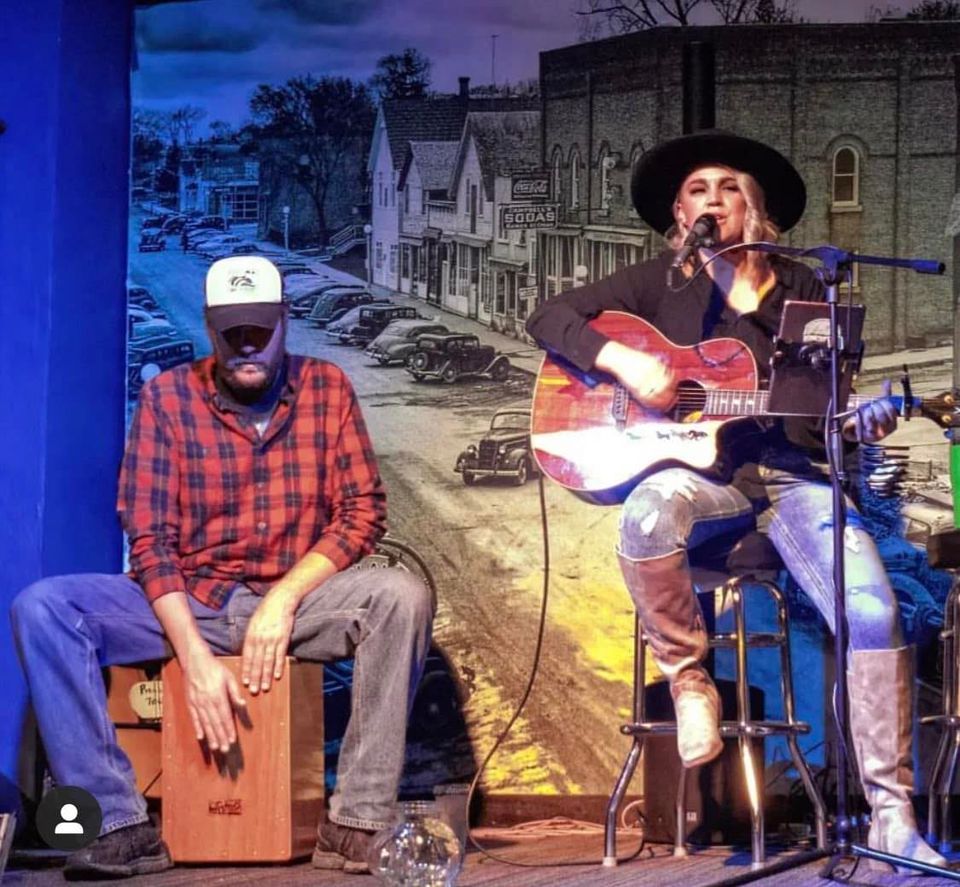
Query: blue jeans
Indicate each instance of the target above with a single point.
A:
(791, 500)
(67, 628)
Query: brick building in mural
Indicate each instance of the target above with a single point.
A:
(867, 113)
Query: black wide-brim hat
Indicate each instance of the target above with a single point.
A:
(658, 175)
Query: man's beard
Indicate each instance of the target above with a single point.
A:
(242, 390)
(230, 368)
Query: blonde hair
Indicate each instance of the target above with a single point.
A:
(757, 225)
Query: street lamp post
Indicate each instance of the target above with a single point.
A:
(286, 229)
(368, 230)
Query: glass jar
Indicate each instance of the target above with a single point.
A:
(418, 850)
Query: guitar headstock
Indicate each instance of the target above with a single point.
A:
(944, 409)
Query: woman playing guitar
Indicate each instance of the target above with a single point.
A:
(772, 470)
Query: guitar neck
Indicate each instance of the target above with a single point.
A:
(729, 402)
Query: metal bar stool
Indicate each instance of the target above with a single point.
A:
(751, 557)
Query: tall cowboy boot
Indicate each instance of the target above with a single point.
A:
(881, 725)
(673, 623)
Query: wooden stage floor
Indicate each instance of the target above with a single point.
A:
(547, 843)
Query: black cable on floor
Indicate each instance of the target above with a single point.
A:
(520, 706)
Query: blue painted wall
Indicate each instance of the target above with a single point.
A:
(64, 158)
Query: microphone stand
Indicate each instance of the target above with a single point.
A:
(835, 264)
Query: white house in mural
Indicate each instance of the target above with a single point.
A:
(485, 264)
(399, 122)
(383, 208)
(431, 176)
(424, 177)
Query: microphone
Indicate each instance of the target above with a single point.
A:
(702, 233)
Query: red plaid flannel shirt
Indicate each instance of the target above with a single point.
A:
(209, 503)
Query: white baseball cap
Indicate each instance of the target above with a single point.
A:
(244, 291)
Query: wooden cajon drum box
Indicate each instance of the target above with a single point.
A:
(261, 801)
(133, 705)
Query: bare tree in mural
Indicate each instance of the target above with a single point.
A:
(926, 11)
(404, 75)
(528, 88)
(183, 122)
(146, 130)
(221, 131)
(607, 16)
(308, 128)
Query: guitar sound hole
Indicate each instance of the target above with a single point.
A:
(691, 398)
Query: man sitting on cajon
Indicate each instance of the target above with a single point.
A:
(248, 488)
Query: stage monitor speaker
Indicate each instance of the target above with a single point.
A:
(718, 810)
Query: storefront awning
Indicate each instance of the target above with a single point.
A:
(469, 239)
(508, 263)
(632, 237)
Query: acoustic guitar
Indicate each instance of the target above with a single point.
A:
(590, 436)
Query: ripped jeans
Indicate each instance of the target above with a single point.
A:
(788, 498)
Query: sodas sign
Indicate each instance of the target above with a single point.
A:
(515, 216)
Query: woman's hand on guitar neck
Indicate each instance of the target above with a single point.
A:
(873, 421)
(650, 381)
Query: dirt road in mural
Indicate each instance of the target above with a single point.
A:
(484, 546)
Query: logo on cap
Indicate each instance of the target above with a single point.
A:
(243, 280)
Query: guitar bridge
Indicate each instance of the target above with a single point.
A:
(620, 406)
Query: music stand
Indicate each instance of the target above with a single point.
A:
(800, 366)
(835, 265)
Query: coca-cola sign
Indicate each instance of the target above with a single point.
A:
(531, 186)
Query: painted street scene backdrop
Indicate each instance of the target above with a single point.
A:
(448, 171)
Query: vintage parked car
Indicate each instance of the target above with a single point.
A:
(212, 246)
(152, 347)
(141, 305)
(152, 241)
(337, 329)
(330, 303)
(212, 222)
(200, 237)
(174, 225)
(373, 320)
(288, 267)
(399, 340)
(503, 451)
(454, 355)
(140, 297)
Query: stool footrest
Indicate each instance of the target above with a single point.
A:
(754, 639)
(727, 728)
(952, 721)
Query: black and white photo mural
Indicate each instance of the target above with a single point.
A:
(422, 189)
